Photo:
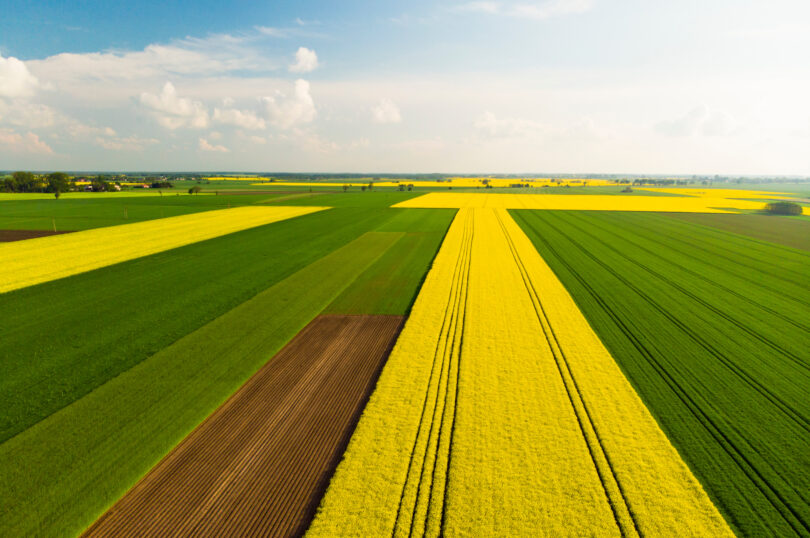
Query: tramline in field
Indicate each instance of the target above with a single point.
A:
(500, 412)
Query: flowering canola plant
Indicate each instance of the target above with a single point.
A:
(675, 204)
(500, 412)
(29, 262)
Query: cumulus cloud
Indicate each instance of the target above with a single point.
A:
(529, 10)
(305, 61)
(286, 112)
(701, 120)
(15, 79)
(13, 142)
(386, 111)
(207, 146)
(173, 111)
(130, 143)
(23, 113)
(490, 125)
(245, 119)
(213, 55)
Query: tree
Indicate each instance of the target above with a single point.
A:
(100, 183)
(345, 187)
(783, 208)
(21, 182)
(56, 194)
(401, 187)
(370, 185)
(57, 182)
(195, 189)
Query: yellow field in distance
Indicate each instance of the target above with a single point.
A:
(33, 261)
(500, 413)
(721, 193)
(465, 182)
(596, 202)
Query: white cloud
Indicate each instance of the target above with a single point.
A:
(492, 126)
(701, 120)
(130, 143)
(212, 55)
(207, 146)
(286, 112)
(13, 142)
(173, 111)
(305, 61)
(240, 118)
(386, 111)
(15, 79)
(23, 113)
(529, 10)
(272, 31)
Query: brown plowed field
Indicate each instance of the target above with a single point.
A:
(18, 235)
(260, 463)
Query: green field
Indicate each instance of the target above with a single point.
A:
(389, 285)
(187, 329)
(85, 213)
(712, 329)
(792, 232)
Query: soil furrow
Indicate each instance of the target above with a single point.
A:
(259, 464)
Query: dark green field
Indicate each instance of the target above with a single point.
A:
(85, 213)
(713, 330)
(791, 232)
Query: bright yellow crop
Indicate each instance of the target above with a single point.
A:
(523, 427)
(29, 262)
(5, 196)
(443, 183)
(677, 204)
(720, 193)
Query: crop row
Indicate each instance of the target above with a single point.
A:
(711, 329)
(499, 412)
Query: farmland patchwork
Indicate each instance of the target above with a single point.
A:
(39, 260)
(500, 412)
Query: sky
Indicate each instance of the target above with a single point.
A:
(546, 86)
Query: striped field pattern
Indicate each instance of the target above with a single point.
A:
(34, 261)
(500, 412)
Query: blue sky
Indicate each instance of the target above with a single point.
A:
(484, 86)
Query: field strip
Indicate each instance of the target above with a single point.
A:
(257, 465)
(500, 412)
(694, 375)
(30, 262)
(59, 475)
(585, 202)
(132, 193)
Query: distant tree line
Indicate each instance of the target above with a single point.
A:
(29, 182)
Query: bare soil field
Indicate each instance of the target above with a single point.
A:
(6, 236)
(259, 464)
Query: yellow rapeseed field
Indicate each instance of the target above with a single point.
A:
(466, 182)
(677, 204)
(29, 262)
(720, 193)
(500, 413)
